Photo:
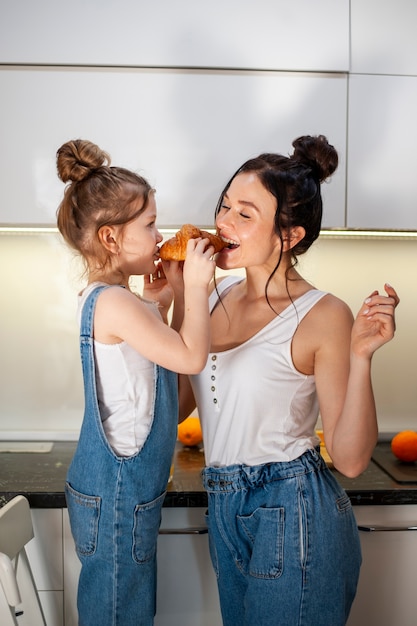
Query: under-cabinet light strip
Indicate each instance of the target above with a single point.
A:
(325, 233)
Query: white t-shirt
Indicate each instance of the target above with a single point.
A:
(254, 406)
(125, 383)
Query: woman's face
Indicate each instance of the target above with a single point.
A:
(246, 221)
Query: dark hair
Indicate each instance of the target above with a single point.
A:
(295, 183)
(97, 195)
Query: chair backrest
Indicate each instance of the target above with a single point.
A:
(16, 576)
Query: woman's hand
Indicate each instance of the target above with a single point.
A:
(375, 323)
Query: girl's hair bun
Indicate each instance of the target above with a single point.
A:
(78, 158)
(316, 153)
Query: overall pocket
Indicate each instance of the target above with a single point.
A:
(84, 514)
(147, 520)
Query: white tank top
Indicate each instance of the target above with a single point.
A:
(254, 406)
(125, 383)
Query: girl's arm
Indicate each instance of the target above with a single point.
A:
(121, 316)
(343, 379)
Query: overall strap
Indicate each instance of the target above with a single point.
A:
(87, 314)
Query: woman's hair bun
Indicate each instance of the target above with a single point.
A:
(78, 158)
(316, 153)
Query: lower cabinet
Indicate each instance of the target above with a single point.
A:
(45, 553)
(187, 590)
(387, 592)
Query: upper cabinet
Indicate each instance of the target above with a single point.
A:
(382, 156)
(243, 34)
(184, 91)
(382, 132)
(383, 37)
(187, 131)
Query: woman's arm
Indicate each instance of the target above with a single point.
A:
(186, 399)
(343, 379)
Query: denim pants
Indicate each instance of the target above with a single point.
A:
(114, 503)
(283, 542)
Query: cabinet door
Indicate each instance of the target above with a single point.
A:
(387, 585)
(72, 567)
(45, 557)
(268, 34)
(382, 161)
(187, 588)
(383, 36)
(186, 131)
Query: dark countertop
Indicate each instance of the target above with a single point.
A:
(41, 478)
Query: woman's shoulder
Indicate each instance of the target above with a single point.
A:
(331, 312)
(223, 282)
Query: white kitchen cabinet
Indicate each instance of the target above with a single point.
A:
(387, 585)
(187, 589)
(383, 39)
(72, 568)
(186, 131)
(45, 555)
(382, 160)
(269, 34)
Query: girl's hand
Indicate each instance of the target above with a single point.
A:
(156, 287)
(375, 323)
(199, 265)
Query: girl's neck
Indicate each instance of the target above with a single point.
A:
(110, 278)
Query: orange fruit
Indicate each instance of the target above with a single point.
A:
(404, 446)
(189, 431)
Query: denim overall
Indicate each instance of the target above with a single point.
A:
(114, 502)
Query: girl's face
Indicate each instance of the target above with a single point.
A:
(139, 243)
(246, 221)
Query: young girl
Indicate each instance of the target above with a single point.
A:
(283, 537)
(117, 479)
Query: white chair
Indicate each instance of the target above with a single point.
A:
(16, 576)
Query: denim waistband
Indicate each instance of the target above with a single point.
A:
(235, 477)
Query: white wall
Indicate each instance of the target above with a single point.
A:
(40, 382)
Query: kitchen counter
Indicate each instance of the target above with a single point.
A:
(41, 477)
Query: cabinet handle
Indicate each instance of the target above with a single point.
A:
(198, 530)
(371, 529)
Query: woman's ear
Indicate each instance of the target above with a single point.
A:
(107, 237)
(293, 236)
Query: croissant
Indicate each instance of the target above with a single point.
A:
(174, 249)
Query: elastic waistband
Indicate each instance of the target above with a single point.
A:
(235, 477)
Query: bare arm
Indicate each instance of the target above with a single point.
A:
(121, 316)
(343, 378)
(187, 402)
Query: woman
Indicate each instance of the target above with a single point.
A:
(283, 537)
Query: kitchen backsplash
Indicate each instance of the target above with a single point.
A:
(40, 383)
